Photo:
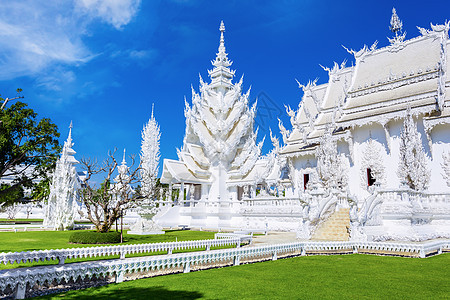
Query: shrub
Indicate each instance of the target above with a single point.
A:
(93, 237)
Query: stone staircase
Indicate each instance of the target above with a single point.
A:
(334, 228)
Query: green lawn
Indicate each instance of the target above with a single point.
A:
(314, 277)
(40, 240)
(20, 220)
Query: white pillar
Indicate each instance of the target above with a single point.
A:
(181, 194)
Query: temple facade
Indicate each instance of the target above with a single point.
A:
(367, 155)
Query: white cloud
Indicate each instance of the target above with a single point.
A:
(56, 79)
(115, 12)
(38, 35)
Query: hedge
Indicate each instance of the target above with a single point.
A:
(93, 237)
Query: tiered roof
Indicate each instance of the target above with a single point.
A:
(219, 129)
(378, 88)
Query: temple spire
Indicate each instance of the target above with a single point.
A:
(222, 56)
(124, 162)
(396, 25)
(221, 75)
(69, 137)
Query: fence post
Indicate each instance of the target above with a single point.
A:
(422, 253)
(119, 277)
(274, 255)
(303, 252)
(169, 251)
(61, 260)
(237, 260)
(122, 254)
(187, 267)
(19, 293)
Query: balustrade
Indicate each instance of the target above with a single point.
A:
(18, 279)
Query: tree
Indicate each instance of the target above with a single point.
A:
(28, 150)
(150, 157)
(105, 204)
(412, 168)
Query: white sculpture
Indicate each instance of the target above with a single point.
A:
(150, 157)
(62, 200)
(372, 160)
(330, 166)
(446, 167)
(412, 169)
(122, 187)
(145, 227)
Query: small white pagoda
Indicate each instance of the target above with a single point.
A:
(61, 210)
(219, 162)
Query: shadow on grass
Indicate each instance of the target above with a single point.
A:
(105, 293)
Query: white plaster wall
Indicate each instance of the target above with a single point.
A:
(440, 136)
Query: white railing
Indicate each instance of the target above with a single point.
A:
(62, 254)
(19, 278)
(271, 206)
(226, 235)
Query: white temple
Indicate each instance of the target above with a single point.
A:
(367, 158)
(219, 163)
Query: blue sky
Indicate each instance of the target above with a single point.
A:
(102, 64)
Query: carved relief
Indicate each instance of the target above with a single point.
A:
(372, 160)
(446, 167)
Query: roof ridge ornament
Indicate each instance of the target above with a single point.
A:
(396, 26)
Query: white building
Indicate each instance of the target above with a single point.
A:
(219, 163)
(354, 171)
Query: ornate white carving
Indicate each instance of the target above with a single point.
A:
(372, 159)
(150, 157)
(143, 227)
(62, 201)
(396, 27)
(412, 169)
(330, 165)
(446, 167)
(443, 33)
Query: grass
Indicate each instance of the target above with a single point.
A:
(315, 277)
(41, 240)
(20, 220)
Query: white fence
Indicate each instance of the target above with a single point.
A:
(19, 278)
(62, 254)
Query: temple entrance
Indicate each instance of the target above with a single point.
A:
(370, 179)
(305, 180)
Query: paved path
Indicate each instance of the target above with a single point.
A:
(274, 238)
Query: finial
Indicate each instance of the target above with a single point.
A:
(222, 39)
(124, 162)
(396, 24)
(153, 106)
(69, 137)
